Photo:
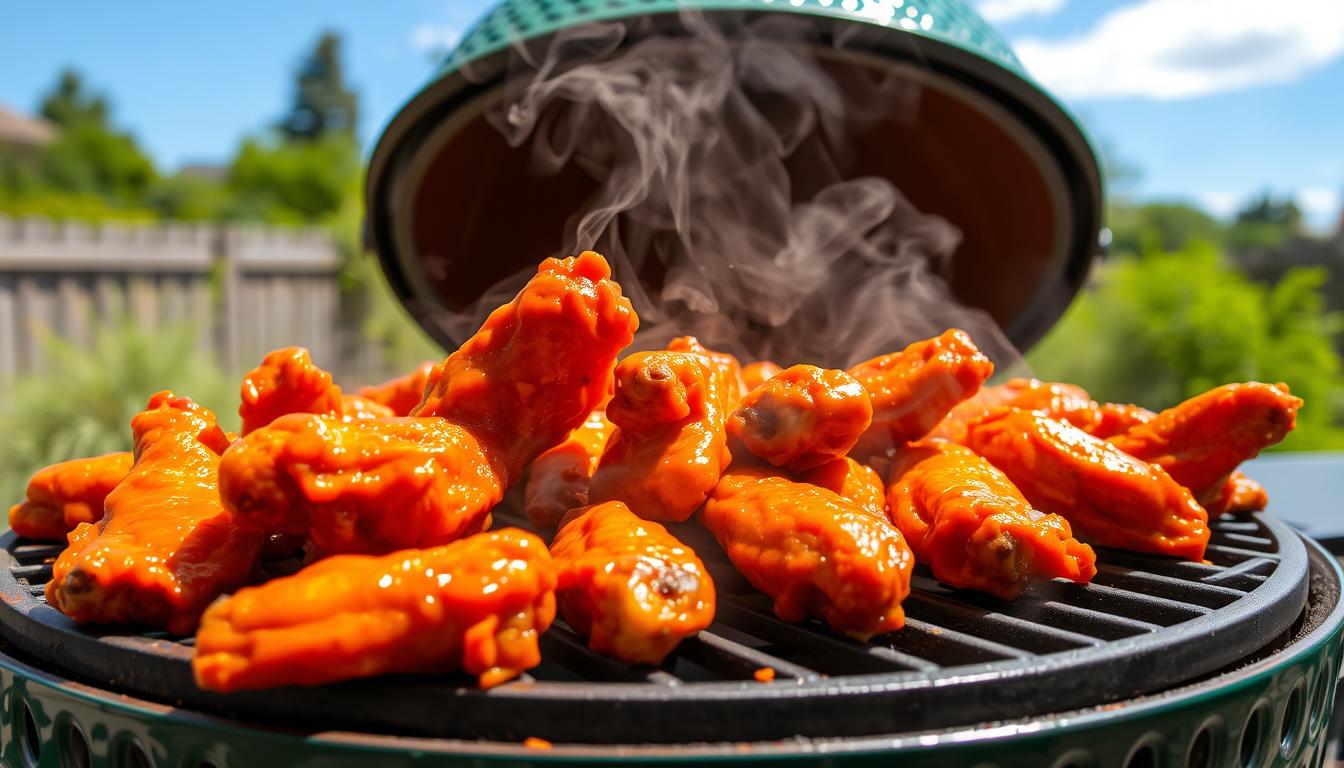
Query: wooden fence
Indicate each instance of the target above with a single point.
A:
(245, 290)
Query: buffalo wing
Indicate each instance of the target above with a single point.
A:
(802, 418)
(402, 394)
(973, 528)
(63, 495)
(478, 604)
(165, 547)
(628, 585)
(558, 480)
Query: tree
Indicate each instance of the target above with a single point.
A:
(293, 182)
(70, 104)
(1265, 224)
(323, 105)
(1160, 226)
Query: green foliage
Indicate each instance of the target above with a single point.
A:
(82, 405)
(288, 182)
(1162, 226)
(1158, 328)
(323, 104)
(89, 159)
(70, 103)
(184, 197)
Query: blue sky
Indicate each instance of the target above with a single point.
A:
(1214, 100)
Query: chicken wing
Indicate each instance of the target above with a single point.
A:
(403, 393)
(363, 486)
(1202, 440)
(479, 605)
(914, 389)
(733, 386)
(973, 528)
(802, 418)
(669, 446)
(1239, 494)
(558, 480)
(1104, 493)
(165, 547)
(628, 585)
(287, 381)
(1065, 402)
(815, 553)
(532, 374)
(857, 482)
(756, 374)
(540, 364)
(64, 495)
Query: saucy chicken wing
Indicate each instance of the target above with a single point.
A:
(363, 486)
(287, 381)
(802, 418)
(669, 446)
(165, 547)
(1065, 402)
(1202, 440)
(532, 374)
(756, 374)
(1104, 493)
(402, 394)
(628, 585)
(540, 364)
(63, 495)
(914, 389)
(479, 605)
(973, 528)
(558, 480)
(732, 385)
(815, 553)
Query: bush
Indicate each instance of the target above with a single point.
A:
(1158, 328)
(83, 403)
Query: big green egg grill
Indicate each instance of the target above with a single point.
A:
(1158, 662)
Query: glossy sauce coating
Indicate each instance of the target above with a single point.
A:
(479, 605)
(815, 553)
(914, 389)
(63, 495)
(669, 446)
(1111, 497)
(1065, 402)
(1202, 440)
(973, 528)
(628, 585)
(857, 482)
(362, 486)
(540, 364)
(402, 394)
(732, 385)
(756, 374)
(558, 480)
(286, 381)
(802, 418)
(165, 547)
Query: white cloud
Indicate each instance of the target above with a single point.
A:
(1320, 206)
(435, 37)
(1222, 204)
(1176, 49)
(1004, 11)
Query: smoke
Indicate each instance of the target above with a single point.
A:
(699, 140)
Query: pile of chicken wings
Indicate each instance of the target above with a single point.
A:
(824, 488)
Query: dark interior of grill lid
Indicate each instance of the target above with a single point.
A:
(1145, 624)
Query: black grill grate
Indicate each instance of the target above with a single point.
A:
(1145, 624)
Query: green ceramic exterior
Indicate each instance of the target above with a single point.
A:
(1283, 701)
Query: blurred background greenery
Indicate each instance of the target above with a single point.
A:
(1183, 302)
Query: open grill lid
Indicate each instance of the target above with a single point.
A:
(1145, 624)
(452, 208)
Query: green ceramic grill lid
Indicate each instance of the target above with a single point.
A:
(452, 208)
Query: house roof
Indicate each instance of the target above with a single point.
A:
(16, 128)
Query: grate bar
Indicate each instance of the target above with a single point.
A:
(1084, 621)
(1230, 556)
(841, 655)
(737, 661)
(948, 646)
(1158, 610)
(560, 644)
(1250, 542)
(1013, 631)
(33, 574)
(1197, 592)
(28, 554)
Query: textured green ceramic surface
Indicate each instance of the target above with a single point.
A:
(1274, 713)
(948, 21)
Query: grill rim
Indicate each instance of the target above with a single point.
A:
(871, 701)
(1299, 650)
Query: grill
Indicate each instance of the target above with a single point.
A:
(1145, 625)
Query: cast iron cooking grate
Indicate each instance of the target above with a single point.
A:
(1145, 624)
